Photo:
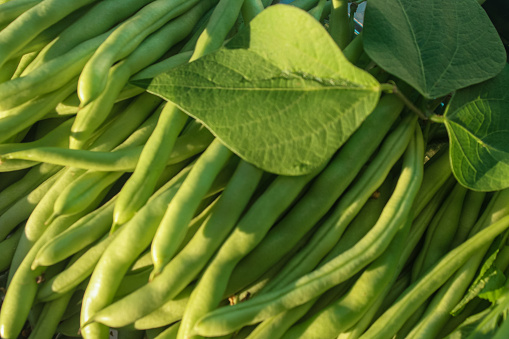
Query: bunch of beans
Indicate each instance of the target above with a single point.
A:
(122, 217)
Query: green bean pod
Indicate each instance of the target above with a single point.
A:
(12, 9)
(80, 268)
(52, 312)
(440, 232)
(23, 286)
(22, 209)
(321, 196)
(93, 114)
(226, 320)
(188, 263)
(100, 18)
(32, 179)
(349, 205)
(181, 209)
(133, 238)
(81, 234)
(33, 21)
(57, 137)
(29, 113)
(169, 312)
(48, 77)
(8, 247)
(147, 20)
(125, 160)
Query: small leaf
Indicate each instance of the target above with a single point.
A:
(477, 120)
(281, 95)
(437, 46)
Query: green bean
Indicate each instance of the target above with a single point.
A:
(317, 11)
(128, 121)
(136, 28)
(438, 313)
(58, 137)
(100, 18)
(124, 160)
(469, 215)
(394, 317)
(221, 21)
(440, 232)
(182, 269)
(349, 309)
(8, 247)
(11, 10)
(349, 205)
(8, 69)
(22, 209)
(133, 238)
(171, 311)
(27, 114)
(78, 195)
(314, 205)
(93, 114)
(250, 8)
(81, 234)
(249, 231)
(22, 289)
(33, 21)
(339, 23)
(69, 327)
(48, 77)
(81, 266)
(32, 179)
(183, 206)
(170, 332)
(335, 271)
(36, 226)
(140, 185)
(49, 319)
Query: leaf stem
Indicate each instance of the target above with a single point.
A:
(392, 88)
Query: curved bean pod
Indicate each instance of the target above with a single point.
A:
(124, 160)
(147, 20)
(183, 206)
(336, 177)
(188, 263)
(349, 205)
(8, 247)
(133, 238)
(335, 271)
(26, 26)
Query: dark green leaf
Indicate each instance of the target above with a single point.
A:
(437, 46)
(282, 96)
(477, 121)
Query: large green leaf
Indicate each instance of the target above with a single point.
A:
(477, 121)
(437, 46)
(282, 95)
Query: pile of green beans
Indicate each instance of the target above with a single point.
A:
(123, 217)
